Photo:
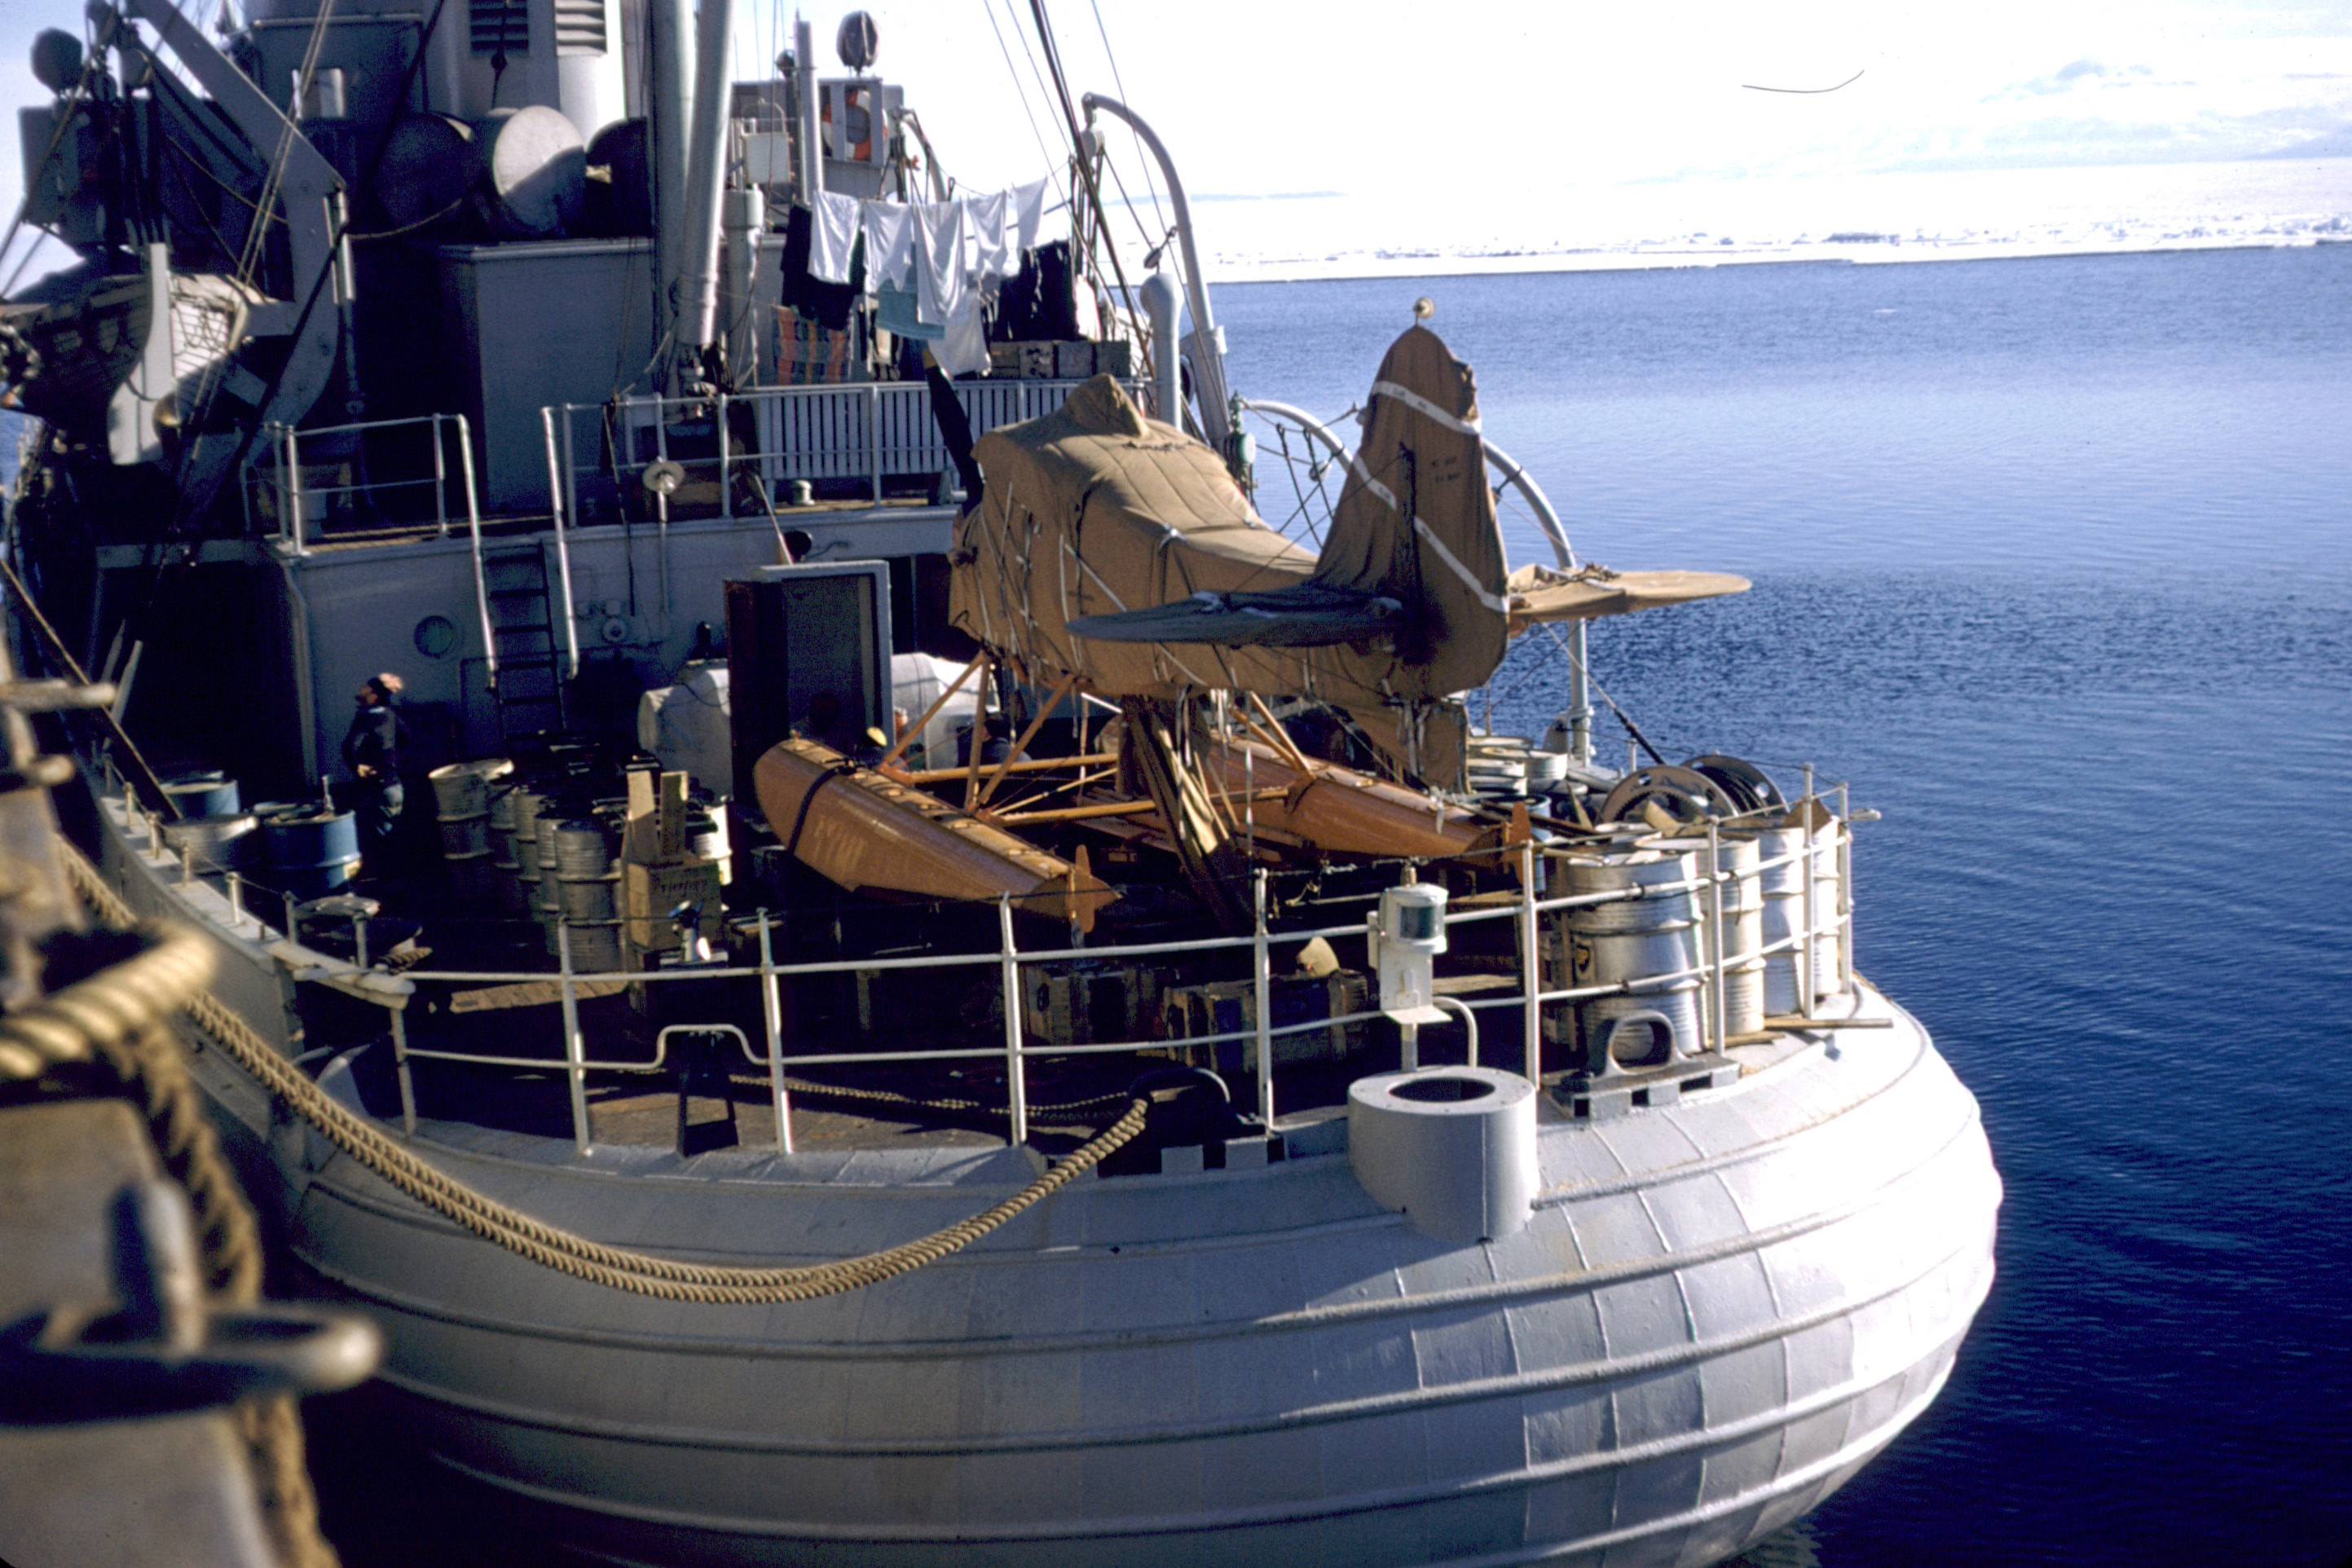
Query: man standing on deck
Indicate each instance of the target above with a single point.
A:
(371, 750)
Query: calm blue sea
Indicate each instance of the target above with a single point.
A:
(2053, 560)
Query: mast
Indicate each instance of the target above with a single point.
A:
(698, 289)
(671, 97)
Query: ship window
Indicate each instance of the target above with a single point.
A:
(501, 27)
(579, 27)
(436, 635)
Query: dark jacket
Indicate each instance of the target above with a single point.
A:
(374, 741)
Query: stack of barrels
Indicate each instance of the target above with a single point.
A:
(1771, 881)
(461, 801)
(304, 848)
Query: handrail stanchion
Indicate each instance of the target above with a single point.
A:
(874, 434)
(1719, 1011)
(562, 549)
(1845, 888)
(772, 1011)
(726, 462)
(289, 915)
(290, 464)
(575, 1050)
(1532, 1036)
(400, 1068)
(440, 481)
(1264, 1043)
(1016, 1082)
(1805, 904)
(474, 533)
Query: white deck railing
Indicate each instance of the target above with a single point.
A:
(1015, 1050)
(741, 452)
(303, 506)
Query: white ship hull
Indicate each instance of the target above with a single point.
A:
(1722, 1308)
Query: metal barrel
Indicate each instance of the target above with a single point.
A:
(706, 834)
(502, 807)
(207, 794)
(1829, 893)
(1808, 858)
(584, 849)
(595, 946)
(590, 898)
(215, 844)
(311, 853)
(529, 802)
(473, 876)
(551, 866)
(463, 789)
(1743, 933)
(1634, 941)
(512, 892)
(465, 835)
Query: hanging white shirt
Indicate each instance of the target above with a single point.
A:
(833, 236)
(962, 349)
(1028, 214)
(940, 289)
(889, 245)
(986, 220)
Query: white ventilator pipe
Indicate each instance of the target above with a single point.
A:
(697, 293)
(1160, 305)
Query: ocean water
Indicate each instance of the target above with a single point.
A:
(2053, 563)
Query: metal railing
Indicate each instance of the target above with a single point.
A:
(304, 509)
(739, 452)
(1015, 1050)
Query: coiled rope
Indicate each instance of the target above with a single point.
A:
(116, 1022)
(641, 1273)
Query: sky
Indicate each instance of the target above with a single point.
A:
(1431, 126)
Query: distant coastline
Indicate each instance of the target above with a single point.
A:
(1827, 253)
(1870, 219)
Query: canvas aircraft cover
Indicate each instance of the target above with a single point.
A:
(1095, 511)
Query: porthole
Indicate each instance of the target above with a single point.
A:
(437, 636)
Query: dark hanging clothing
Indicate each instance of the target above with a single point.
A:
(1038, 303)
(814, 299)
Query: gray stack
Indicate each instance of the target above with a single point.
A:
(1737, 860)
(1808, 859)
(1638, 941)
(584, 884)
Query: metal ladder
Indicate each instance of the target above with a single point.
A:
(525, 664)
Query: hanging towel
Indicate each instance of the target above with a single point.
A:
(1028, 214)
(985, 225)
(962, 346)
(940, 282)
(894, 312)
(834, 236)
(889, 244)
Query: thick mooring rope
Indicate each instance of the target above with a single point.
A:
(644, 1274)
(116, 1021)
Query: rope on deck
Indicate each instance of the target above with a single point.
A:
(619, 1268)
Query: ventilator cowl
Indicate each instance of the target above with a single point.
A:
(1453, 1148)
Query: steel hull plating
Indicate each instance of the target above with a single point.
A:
(1721, 1310)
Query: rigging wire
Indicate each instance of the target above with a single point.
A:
(1022, 93)
(1150, 181)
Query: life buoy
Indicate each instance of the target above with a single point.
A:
(857, 103)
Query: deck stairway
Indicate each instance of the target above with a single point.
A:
(525, 668)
